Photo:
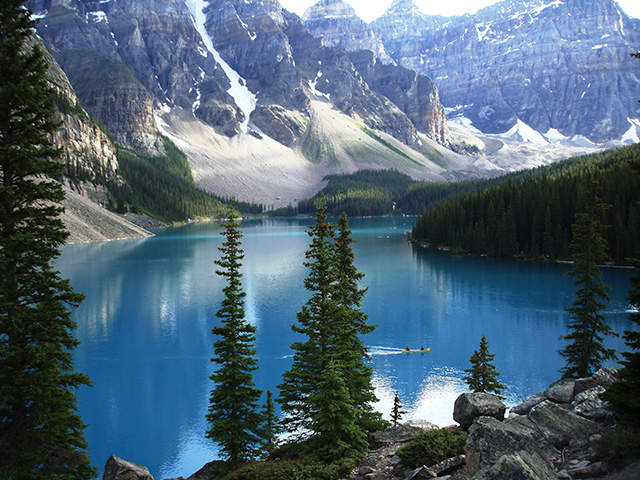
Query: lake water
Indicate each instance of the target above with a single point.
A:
(145, 327)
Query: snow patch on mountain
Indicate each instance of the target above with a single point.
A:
(554, 136)
(524, 133)
(631, 136)
(244, 98)
(465, 124)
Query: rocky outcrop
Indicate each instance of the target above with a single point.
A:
(470, 406)
(550, 64)
(581, 394)
(554, 435)
(338, 25)
(119, 469)
(126, 59)
(416, 95)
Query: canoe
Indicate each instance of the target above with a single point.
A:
(404, 350)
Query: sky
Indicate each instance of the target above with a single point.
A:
(369, 10)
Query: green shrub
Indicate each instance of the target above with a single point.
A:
(432, 446)
(287, 470)
(620, 446)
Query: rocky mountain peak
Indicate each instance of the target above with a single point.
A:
(337, 24)
(552, 65)
(325, 8)
(403, 7)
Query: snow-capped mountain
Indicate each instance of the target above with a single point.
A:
(263, 109)
(554, 65)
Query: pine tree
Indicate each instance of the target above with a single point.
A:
(351, 324)
(483, 376)
(41, 433)
(396, 411)
(271, 425)
(337, 434)
(332, 322)
(311, 357)
(235, 422)
(585, 352)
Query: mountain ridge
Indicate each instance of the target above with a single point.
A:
(551, 64)
(262, 108)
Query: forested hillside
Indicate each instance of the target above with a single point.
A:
(530, 213)
(162, 186)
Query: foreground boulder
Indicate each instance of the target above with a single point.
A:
(533, 446)
(583, 392)
(470, 406)
(119, 469)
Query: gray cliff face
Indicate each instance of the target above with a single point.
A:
(125, 59)
(551, 64)
(338, 25)
(416, 95)
(87, 151)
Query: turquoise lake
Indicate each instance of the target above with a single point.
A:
(145, 327)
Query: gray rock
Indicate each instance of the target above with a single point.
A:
(421, 474)
(561, 391)
(470, 406)
(517, 466)
(524, 407)
(490, 439)
(560, 427)
(603, 378)
(588, 404)
(448, 465)
(119, 469)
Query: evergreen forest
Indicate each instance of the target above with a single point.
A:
(529, 214)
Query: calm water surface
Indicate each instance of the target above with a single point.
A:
(145, 327)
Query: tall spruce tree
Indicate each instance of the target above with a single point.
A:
(41, 433)
(234, 417)
(585, 351)
(332, 323)
(483, 376)
(351, 323)
(315, 319)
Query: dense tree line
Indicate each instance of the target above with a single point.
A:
(361, 194)
(530, 214)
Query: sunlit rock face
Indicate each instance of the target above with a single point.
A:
(126, 59)
(552, 64)
(338, 25)
(237, 65)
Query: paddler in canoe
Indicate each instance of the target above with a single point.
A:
(422, 350)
